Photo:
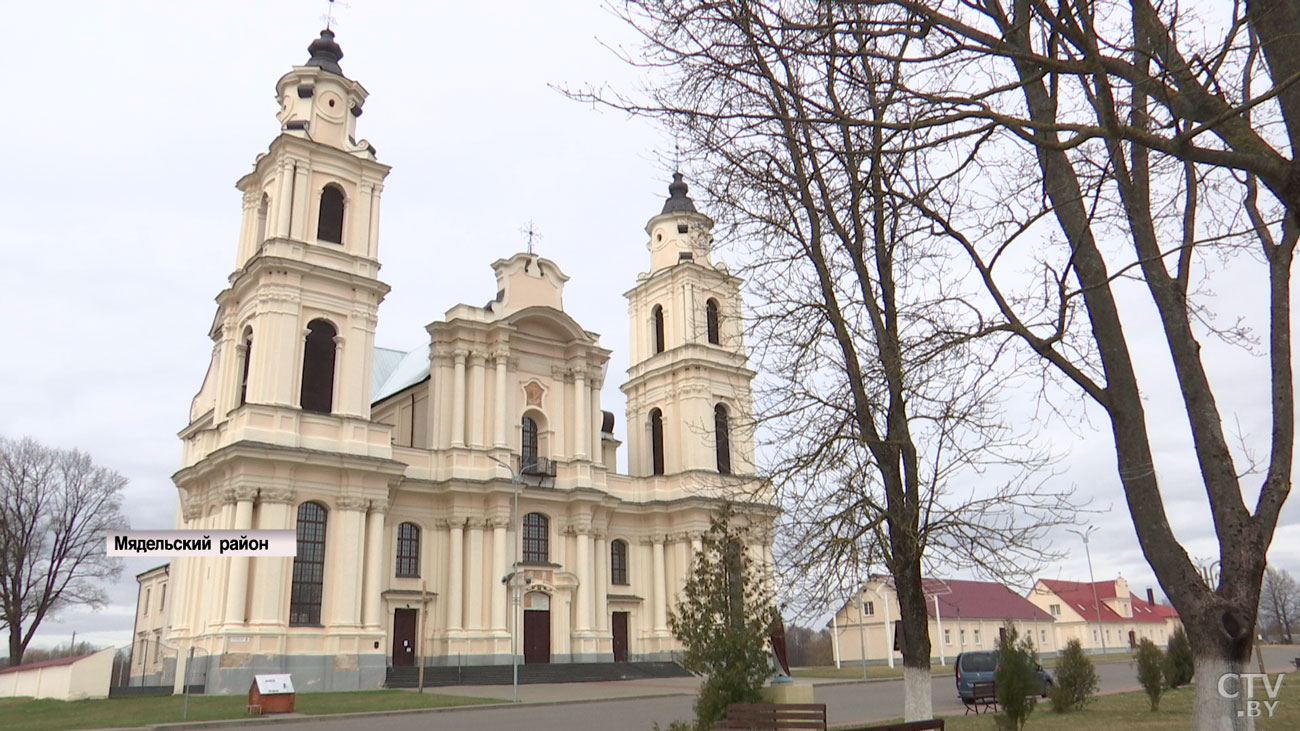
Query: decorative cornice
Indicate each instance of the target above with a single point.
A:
(349, 502)
(276, 495)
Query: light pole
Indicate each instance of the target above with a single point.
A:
(516, 479)
(1096, 604)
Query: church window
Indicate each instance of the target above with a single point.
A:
(537, 538)
(262, 211)
(722, 438)
(308, 566)
(657, 314)
(329, 226)
(248, 358)
(657, 441)
(711, 317)
(408, 550)
(528, 448)
(318, 368)
(618, 562)
(162, 598)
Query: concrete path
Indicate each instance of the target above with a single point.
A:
(635, 705)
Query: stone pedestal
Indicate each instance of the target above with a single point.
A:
(788, 693)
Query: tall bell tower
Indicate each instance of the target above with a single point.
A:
(689, 406)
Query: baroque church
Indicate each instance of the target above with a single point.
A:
(458, 504)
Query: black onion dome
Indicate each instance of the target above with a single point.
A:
(678, 201)
(325, 53)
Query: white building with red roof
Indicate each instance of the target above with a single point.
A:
(1109, 618)
(964, 616)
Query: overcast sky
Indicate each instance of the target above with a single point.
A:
(127, 125)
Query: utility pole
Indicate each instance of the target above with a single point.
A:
(516, 479)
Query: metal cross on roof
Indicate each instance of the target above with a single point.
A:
(328, 17)
(532, 233)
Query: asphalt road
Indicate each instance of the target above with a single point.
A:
(846, 702)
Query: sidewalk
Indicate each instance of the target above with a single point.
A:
(574, 692)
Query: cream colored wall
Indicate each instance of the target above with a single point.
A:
(86, 678)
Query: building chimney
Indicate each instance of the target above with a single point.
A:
(1151, 595)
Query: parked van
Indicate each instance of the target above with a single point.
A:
(982, 666)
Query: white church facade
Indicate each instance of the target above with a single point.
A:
(460, 502)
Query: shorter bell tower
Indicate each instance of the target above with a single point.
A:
(689, 406)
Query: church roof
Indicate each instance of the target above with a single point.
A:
(395, 370)
(678, 201)
(325, 53)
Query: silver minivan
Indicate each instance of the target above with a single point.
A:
(982, 666)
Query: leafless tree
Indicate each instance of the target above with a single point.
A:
(1161, 137)
(1279, 603)
(883, 412)
(55, 508)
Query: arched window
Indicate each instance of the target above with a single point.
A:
(262, 211)
(248, 358)
(528, 444)
(722, 438)
(308, 565)
(712, 318)
(657, 314)
(329, 226)
(618, 562)
(657, 441)
(537, 538)
(408, 550)
(318, 368)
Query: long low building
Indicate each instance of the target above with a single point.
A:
(964, 616)
(1109, 618)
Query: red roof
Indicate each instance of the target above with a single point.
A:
(963, 599)
(1079, 596)
(44, 664)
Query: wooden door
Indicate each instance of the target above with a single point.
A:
(620, 636)
(537, 636)
(404, 624)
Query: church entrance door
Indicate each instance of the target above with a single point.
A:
(537, 628)
(620, 636)
(404, 623)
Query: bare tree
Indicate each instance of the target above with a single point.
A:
(1279, 602)
(889, 447)
(55, 508)
(1162, 138)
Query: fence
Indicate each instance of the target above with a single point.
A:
(148, 666)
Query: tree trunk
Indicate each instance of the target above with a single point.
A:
(1212, 711)
(914, 632)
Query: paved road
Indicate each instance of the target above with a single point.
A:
(570, 706)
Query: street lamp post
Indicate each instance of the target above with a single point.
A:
(1096, 603)
(516, 479)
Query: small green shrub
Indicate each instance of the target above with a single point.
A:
(1151, 671)
(677, 726)
(1017, 679)
(1179, 666)
(1076, 680)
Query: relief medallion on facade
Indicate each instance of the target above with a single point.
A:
(533, 391)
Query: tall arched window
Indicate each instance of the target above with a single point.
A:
(408, 550)
(657, 441)
(722, 438)
(711, 317)
(318, 368)
(537, 538)
(528, 451)
(657, 314)
(308, 565)
(618, 562)
(248, 358)
(262, 210)
(329, 226)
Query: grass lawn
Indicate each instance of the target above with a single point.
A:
(26, 714)
(1132, 711)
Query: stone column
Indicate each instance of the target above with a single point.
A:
(502, 416)
(660, 586)
(597, 451)
(501, 561)
(372, 232)
(581, 414)
(681, 564)
(282, 199)
(582, 531)
(274, 573)
(456, 574)
(602, 583)
(458, 400)
(477, 399)
(474, 576)
(237, 594)
(349, 521)
(372, 584)
(300, 222)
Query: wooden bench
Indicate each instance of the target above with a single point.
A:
(774, 716)
(934, 725)
(984, 697)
